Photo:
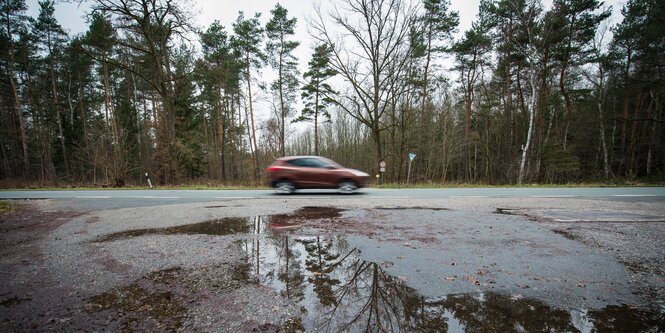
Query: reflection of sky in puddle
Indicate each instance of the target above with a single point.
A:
(339, 291)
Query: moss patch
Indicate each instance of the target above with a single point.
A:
(140, 307)
(6, 207)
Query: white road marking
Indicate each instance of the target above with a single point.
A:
(634, 195)
(92, 197)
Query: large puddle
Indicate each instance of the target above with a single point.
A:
(339, 291)
(232, 225)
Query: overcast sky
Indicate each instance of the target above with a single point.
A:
(71, 18)
(71, 15)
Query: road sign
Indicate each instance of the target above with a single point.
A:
(412, 156)
(382, 169)
(382, 164)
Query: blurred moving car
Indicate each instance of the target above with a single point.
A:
(299, 172)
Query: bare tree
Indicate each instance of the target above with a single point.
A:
(370, 50)
(527, 45)
(598, 80)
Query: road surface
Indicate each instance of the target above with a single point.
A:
(445, 260)
(109, 199)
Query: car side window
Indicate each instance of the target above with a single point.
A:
(297, 162)
(316, 163)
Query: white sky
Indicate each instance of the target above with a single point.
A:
(71, 15)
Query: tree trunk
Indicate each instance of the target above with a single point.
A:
(316, 124)
(531, 110)
(19, 113)
(17, 101)
(56, 106)
(282, 108)
(252, 136)
(508, 125)
(603, 142)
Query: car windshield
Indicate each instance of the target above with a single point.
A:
(332, 163)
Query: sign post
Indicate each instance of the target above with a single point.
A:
(148, 177)
(411, 157)
(382, 169)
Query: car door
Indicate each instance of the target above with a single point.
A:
(303, 172)
(319, 173)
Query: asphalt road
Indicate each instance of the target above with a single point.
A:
(110, 199)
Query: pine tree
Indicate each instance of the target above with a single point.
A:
(47, 30)
(316, 93)
(280, 53)
(13, 19)
(247, 40)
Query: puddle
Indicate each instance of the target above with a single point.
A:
(339, 291)
(234, 225)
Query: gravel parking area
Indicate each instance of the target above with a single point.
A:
(282, 264)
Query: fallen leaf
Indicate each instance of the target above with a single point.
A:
(472, 279)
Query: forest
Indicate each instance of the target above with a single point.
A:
(531, 93)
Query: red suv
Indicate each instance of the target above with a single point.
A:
(290, 173)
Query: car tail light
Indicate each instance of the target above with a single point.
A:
(272, 169)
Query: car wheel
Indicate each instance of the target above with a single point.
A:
(347, 187)
(284, 187)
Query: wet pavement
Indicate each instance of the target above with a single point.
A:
(378, 268)
(339, 289)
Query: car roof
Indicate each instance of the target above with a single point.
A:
(287, 158)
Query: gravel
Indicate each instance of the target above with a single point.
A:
(57, 276)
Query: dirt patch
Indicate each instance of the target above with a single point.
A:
(216, 297)
(140, 308)
(25, 225)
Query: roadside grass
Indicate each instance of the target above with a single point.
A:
(373, 184)
(158, 188)
(533, 185)
(6, 207)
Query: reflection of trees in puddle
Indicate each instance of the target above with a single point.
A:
(341, 292)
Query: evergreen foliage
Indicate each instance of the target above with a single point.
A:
(528, 94)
